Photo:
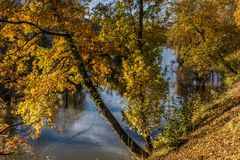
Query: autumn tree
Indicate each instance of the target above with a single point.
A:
(135, 30)
(203, 34)
(40, 71)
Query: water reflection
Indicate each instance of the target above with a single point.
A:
(86, 135)
(183, 82)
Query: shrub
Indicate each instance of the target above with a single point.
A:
(179, 124)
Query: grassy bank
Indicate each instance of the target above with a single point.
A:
(215, 128)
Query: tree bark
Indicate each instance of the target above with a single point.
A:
(229, 67)
(66, 99)
(149, 144)
(94, 94)
(140, 25)
(140, 47)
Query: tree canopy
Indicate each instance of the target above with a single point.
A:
(203, 34)
(49, 47)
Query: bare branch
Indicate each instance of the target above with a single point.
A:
(14, 125)
(36, 26)
(6, 154)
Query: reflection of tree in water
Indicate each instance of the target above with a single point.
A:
(6, 115)
(6, 111)
(12, 130)
(70, 111)
(183, 82)
(188, 83)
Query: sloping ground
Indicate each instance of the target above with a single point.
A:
(218, 140)
(217, 136)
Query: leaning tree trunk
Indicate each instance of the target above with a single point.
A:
(88, 84)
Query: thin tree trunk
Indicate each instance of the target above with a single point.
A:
(87, 82)
(229, 67)
(146, 138)
(140, 47)
(140, 25)
(66, 99)
(149, 144)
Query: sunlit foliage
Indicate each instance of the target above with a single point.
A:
(142, 83)
(203, 34)
(145, 94)
(9, 144)
(40, 66)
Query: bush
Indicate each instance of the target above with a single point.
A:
(179, 125)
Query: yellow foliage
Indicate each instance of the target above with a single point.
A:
(145, 93)
(39, 65)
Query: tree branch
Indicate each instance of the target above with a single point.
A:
(14, 125)
(6, 154)
(31, 38)
(36, 26)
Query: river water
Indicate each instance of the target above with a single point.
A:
(86, 135)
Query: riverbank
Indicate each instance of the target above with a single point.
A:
(215, 134)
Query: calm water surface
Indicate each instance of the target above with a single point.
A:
(86, 135)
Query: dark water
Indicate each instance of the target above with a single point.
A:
(87, 136)
(183, 82)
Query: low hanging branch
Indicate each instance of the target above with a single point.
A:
(44, 31)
